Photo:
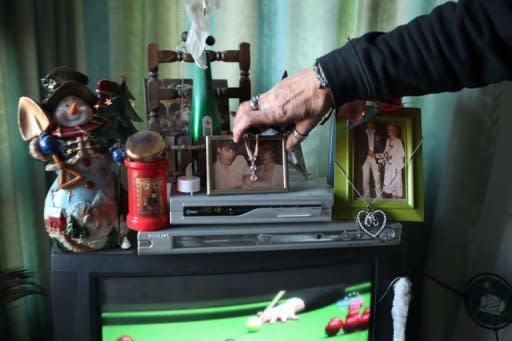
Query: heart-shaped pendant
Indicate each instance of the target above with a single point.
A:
(371, 222)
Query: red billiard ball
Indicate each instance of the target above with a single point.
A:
(352, 323)
(334, 326)
(365, 320)
(336, 320)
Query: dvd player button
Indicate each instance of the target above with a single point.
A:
(387, 234)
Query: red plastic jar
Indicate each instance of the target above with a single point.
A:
(147, 195)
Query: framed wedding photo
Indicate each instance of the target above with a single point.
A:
(380, 162)
(229, 169)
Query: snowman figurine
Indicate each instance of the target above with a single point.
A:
(80, 209)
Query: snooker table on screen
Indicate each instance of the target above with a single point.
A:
(229, 323)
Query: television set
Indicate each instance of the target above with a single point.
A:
(111, 294)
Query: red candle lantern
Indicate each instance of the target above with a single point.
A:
(146, 167)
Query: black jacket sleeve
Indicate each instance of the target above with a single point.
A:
(457, 45)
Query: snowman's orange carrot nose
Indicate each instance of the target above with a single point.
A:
(74, 109)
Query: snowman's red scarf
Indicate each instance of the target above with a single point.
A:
(67, 132)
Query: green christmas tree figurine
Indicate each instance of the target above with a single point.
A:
(115, 105)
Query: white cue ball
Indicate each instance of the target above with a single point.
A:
(253, 324)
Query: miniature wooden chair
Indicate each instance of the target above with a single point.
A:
(160, 91)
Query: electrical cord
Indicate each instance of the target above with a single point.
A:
(388, 288)
(444, 285)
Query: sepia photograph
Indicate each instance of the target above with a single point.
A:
(232, 170)
(379, 156)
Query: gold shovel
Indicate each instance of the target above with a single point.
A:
(32, 121)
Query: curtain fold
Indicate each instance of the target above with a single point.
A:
(107, 39)
(470, 151)
(22, 181)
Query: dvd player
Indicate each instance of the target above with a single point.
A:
(307, 201)
(262, 237)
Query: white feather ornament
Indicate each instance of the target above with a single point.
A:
(400, 309)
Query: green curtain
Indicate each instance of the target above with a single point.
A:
(22, 182)
(107, 39)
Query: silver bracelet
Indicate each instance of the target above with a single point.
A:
(319, 73)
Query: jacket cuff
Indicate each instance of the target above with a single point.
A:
(342, 74)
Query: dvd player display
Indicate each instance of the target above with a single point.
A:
(218, 211)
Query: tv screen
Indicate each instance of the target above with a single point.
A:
(333, 299)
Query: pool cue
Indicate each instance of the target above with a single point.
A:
(279, 295)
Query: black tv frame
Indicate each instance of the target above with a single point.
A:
(76, 277)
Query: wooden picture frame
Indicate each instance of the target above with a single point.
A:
(402, 201)
(235, 177)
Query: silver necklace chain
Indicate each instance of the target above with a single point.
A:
(253, 156)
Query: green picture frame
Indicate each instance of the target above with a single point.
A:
(348, 169)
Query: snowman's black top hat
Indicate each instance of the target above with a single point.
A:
(64, 81)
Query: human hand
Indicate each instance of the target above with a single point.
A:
(296, 99)
(371, 153)
(286, 311)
